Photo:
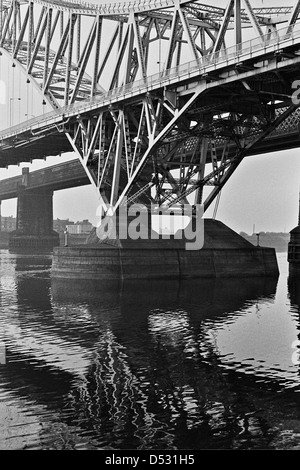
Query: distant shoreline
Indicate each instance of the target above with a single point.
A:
(277, 240)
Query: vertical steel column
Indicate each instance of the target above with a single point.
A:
(15, 7)
(237, 23)
(97, 56)
(202, 163)
(117, 163)
(172, 40)
(128, 59)
(1, 22)
(47, 46)
(78, 37)
(30, 33)
(69, 59)
(203, 40)
(61, 24)
(141, 61)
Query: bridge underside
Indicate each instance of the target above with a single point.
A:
(31, 148)
(250, 113)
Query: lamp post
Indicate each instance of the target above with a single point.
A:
(66, 237)
(10, 109)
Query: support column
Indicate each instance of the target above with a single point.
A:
(34, 221)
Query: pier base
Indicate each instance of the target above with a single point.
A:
(224, 254)
(21, 242)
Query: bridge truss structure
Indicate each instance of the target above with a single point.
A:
(160, 99)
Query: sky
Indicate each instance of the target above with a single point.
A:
(262, 195)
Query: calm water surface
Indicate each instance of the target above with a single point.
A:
(147, 365)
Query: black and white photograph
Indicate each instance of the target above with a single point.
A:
(150, 228)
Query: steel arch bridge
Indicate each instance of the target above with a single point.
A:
(160, 99)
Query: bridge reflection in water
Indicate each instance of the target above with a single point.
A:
(141, 365)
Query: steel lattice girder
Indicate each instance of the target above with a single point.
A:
(130, 147)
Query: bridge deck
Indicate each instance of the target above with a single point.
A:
(62, 176)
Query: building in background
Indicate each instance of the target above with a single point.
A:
(60, 225)
(8, 224)
(80, 228)
(76, 232)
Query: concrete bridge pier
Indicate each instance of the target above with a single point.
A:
(34, 229)
(294, 249)
(223, 254)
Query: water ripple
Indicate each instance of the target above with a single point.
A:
(148, 365)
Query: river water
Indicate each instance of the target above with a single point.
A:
(147, 365)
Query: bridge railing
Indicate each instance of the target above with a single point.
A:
(236, 53)
(122, 7)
